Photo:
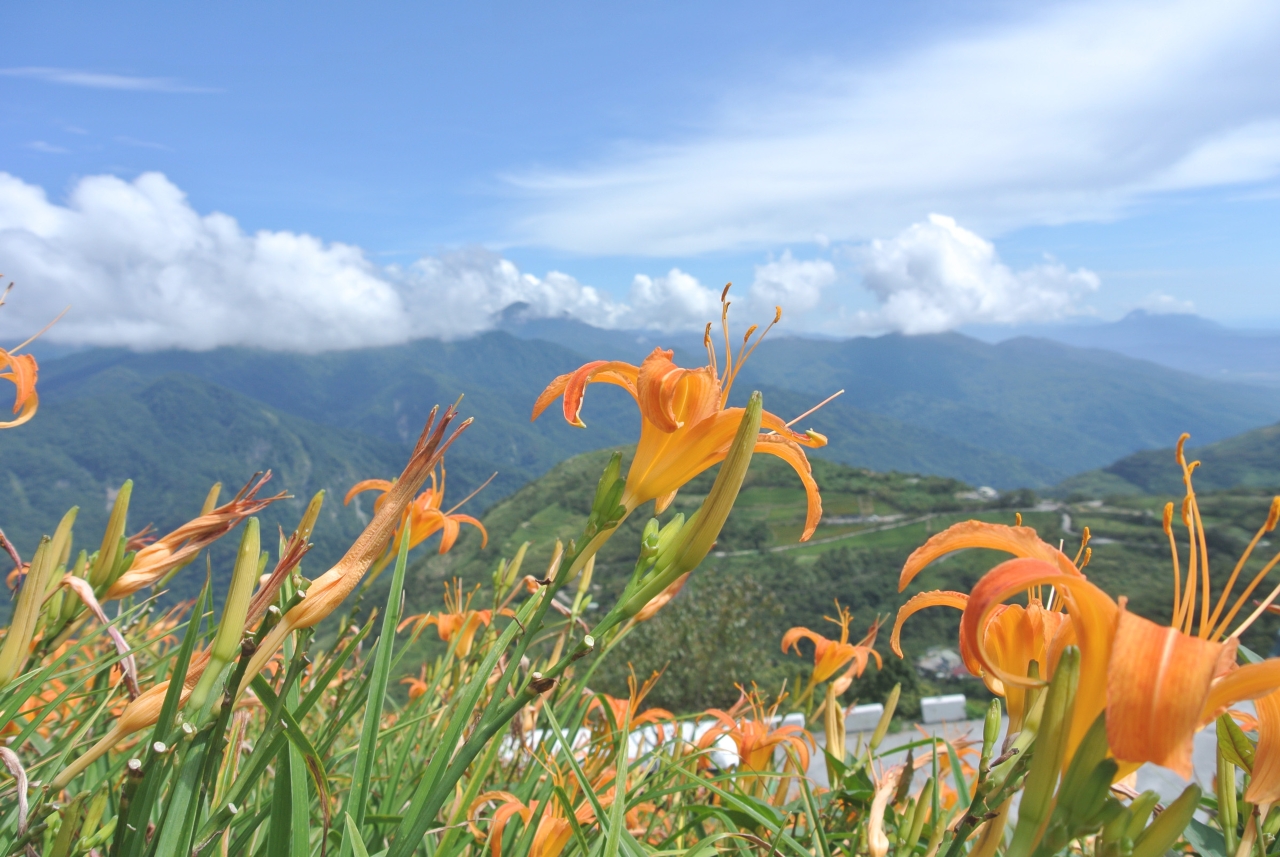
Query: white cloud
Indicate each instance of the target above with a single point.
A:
(794, 285)
(1072, 112)
(140, 267)
(676, 300)
(1159, 303)
(100, 80)
(936, 276)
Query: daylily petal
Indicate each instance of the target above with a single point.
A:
(449, 529)
(1250, 681)
(671, 397)
(916, 603)
(790, 452)
(1265, 785)
(792, 639)
(1019, 541)
(23, 371)
(383, 485)
(1093, 618)
(573, 386)
(1157, 685)
(810, 438)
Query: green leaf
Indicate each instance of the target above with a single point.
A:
(1206, 840)
(366, 754)
(1233, 743)
(351, 833)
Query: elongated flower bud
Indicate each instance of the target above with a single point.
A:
(329, 590)
(109, 553)
(26, 614)
(226, 645)
(155, 561)
(694, 541)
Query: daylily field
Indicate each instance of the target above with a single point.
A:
(299, 711)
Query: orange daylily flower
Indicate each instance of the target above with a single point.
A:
(1013, 638)
(417, 684)
(754, 735)
(423, 516)
(628, 710)
(686, 425)
(21, 372)
(554, 829)
(1158, 684)
(829, 656)
(457, 620)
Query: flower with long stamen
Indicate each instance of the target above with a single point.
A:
(1157, 684)
(179, 547)
(1013, 638)
(829, 656)
(424, 516)
(21, 370)
(755, 736)
(627, 711)
(457, 620)
(686, 425)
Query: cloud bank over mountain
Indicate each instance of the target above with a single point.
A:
(936, 276)
(140, 267)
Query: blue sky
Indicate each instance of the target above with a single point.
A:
(415, 167)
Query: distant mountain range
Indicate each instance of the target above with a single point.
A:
(1024, 412)
(1186, 342)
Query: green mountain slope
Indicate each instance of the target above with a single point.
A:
(1248, 460)
(1025, 412)
(1067, 409)
(175, 436)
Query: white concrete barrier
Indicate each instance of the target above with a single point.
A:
(863, 718)
(935, 709)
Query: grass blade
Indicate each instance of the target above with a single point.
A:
(358, 797)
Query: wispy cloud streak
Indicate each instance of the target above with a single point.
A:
(1075, 112)
(103, 80)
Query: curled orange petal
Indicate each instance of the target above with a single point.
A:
(383, 485)
(790, 452)
(23, 371)
(1019, 541)
(916, 603)
(573, 385)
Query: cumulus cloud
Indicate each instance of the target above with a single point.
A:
(1068, 112)
(141, 267)
(674, 300)
(937, 275)
(795, 285)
